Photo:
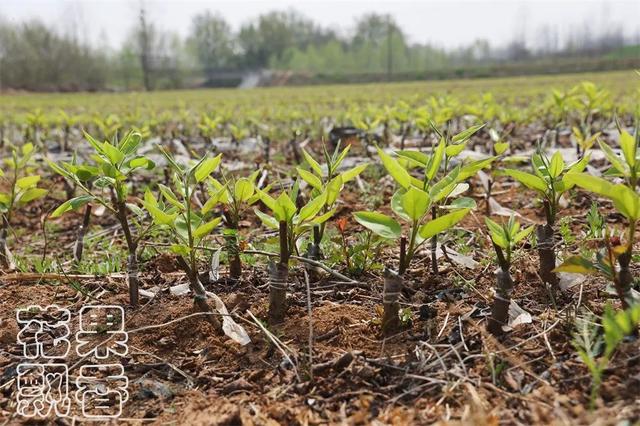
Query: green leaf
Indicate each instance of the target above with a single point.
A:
(435, 160)
(472, 168)
(159, 217)
(181, 249)
(444, 186)
(415, 203)
(628, 146)
(312, 163)
(396, 205)
(394, 168)
(211, 202)
(442, 223)
(379, 224)
(417, 158)
(268, 221)
(150, 198)
(205, 229)
(130, 143)
(500, 147)
(310, 178)
(142, 162)
(61, 171)
(353, 172)
(113, 154)
(205, 168)
(577, 167)
(614, 159)
(466, 134)
(454, 150)
(333, 189)
(311, 208)
(577, 265)
(27, 149)
(170, 196)
(336, 163)
(243, 189)
(5, 200)
(271, 204)
(523, 234)
(497, 233)
(527, 179)
(32, 194)
(624, 199)
(85, 173)
(287, 207)
(28, 181)
(319, 220)
(556, 166)
(461, 203)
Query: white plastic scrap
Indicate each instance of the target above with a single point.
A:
(214, 273)
(517, 316)
(231, 328)
(180, 289)
(458, 258)
(497, 209)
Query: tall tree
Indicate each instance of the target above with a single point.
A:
(267, 39)
(212, 42)
(145, 38)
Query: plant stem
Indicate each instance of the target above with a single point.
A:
(313, 252)
(546, 250)
(278, 280)
(502, 300)
(434, 244)
(132, 261)
(5, 254)
(231, 242)
(624, 276)
(403, 255)
(390, 301)
(79, 246)
(200, 298)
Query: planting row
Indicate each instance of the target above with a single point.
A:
(432, 196)
(274, 116)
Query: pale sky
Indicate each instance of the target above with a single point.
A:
(441, 22)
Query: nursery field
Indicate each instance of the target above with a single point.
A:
(457, 252)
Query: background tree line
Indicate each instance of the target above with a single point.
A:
(35, 57)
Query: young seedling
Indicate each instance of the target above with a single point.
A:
(418, 198)
(291, 224)
(595, 221)
(588, 100)
(235, 195)
(625, 199)
(413, 205)
(116, 162)
(550, 181)
(583, 142)
(22, 188)
(36, 123)
(67, 121)
(498, 148)
(504, 238)
(596, 349)
(327, 179)
(604, 264)
(188, 228)
(449, 147)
